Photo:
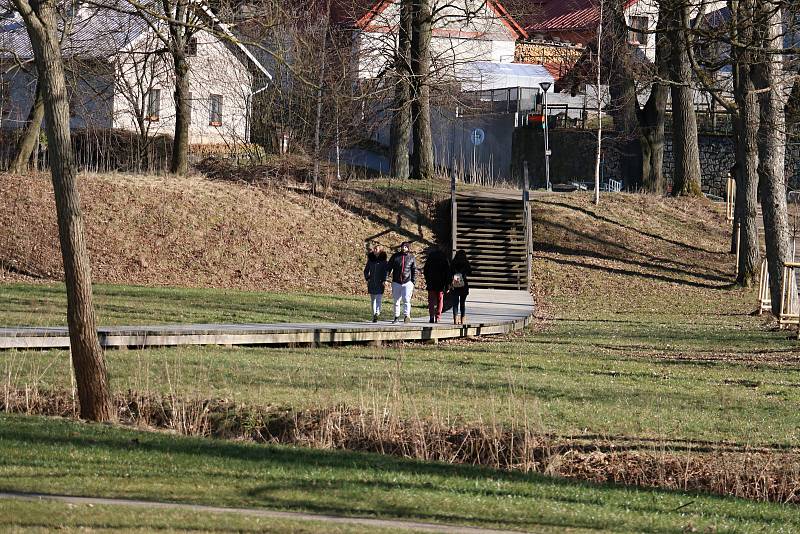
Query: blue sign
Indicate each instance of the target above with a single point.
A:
(477, 136)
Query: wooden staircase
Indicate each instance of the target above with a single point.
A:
(491, 229)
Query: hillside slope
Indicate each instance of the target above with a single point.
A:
(630, 245)
(194, 232)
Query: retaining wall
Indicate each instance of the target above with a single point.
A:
(573, 158)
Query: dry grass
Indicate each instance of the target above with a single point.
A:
(193, 232)
(764, 474)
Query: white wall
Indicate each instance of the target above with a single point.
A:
(484, 37)
(214, 70)
(649, 8)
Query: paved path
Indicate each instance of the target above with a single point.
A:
(254, 512)
(489, 311)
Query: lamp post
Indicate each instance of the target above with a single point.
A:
(545, 86)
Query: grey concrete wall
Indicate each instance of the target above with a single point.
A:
(573, 158)
(452, 147)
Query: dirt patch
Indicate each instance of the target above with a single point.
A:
(764, 473)
(195, 232)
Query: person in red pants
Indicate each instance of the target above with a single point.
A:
(437, 278)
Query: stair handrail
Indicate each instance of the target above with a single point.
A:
(526, 211)
(453, 217)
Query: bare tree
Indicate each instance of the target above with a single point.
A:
(401, 112)
(622, 88)
(174, 23)
(30, 135)
(747, 124)
(598, 152)
(769, 81)
(652, 115)
(686, 153)
(40, 20)
(422, 31)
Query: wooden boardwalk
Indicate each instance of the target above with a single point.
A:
(489, 311)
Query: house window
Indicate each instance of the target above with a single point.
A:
(153, 104)
(215, 111)
(5, 99)
(191, 47)
(637, 34)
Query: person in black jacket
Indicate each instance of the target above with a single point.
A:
(403, 267)
(437, 278)
(460, 270)
(375, 275)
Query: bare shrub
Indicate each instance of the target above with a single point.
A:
(764, 474)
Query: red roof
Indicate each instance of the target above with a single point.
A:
(361, 13)
(555, 69)
(561, 15)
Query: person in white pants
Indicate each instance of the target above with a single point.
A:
(403, 267)
(402, 293)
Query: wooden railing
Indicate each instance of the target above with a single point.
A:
(790, 307)
(764, 298)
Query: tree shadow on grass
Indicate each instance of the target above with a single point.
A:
(295, 470)
(654, 262)
(645, 276)
(627, 227)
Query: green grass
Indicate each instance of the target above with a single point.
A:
(643, 337)
(681, 374)
(45, 305)
(66, 457)
(685, 364)
(45, 516)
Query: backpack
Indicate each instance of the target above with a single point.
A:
(458, 280)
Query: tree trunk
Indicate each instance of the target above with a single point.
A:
(622, 89)
(652, 115)
(180, 144)
(746, 146)
(87, 355)
(768, 76)
(422, 157)
(27, 143)
(651, 139)
(318, 118)
(747, 188)
(686, 154)
(401, 117)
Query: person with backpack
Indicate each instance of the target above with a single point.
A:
(460, 270)
(403, 267)
(437, 278)
(375, 274)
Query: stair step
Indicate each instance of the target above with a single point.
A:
(490, 225)
(488, 200)
(481, 261)
(492, 232)
(461, 210)
(491, 242)
(478, 234)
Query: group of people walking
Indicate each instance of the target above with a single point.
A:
(441, 276)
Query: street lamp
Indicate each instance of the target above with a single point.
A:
(545, 86)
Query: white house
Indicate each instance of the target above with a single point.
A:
(463, 32)
(120, 78)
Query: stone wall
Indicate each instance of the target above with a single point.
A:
(573, 158)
